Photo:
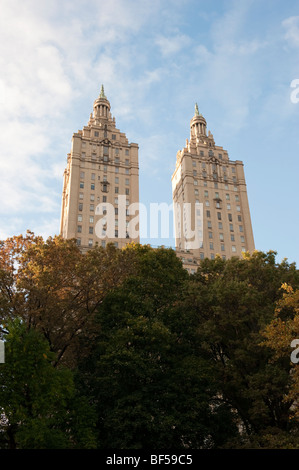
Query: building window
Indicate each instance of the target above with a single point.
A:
(196, 192)
(212, 256)
(90, 230)
(116, 233)
(236, 197)
(93, 176)
(81, 185)
(127, 162)
(91, 207)
(239, 218)
(242, 239)
(227, 197)
(193, 163)
(238, 208)
(241, 228)
(79, 228)
(89, 242)
(103, 244)
(127, 171)
(127, 152)
(228, 206)
(209, 224)
(78, 241)
(92, 186)
(116, 180)
(210, 234)
(230, 217)
(222, 247)
(206, 193)
(233, 249)
(82, 174)
(105, 188)
(92, 197)
(202, 256)
(80, 195)
(195, 182)
(211, 246)
(91, 219)
(232, 237)
(208, 214)
(207, 203)
(80, 207)
(231, 227)
(220, 225)
(113, 136)
(221, 236)
(219, 215)
(80, 218)
(127, 191)
(116, 190)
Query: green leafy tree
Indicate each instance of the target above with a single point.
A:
(234, 300)
(39, 406)
(150, 386)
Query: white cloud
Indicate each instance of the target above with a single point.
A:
(170, 45)
(291, 26)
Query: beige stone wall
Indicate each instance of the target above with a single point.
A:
(204, 174)
(101, 167)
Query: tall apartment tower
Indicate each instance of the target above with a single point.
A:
(210, 200)
(100, 187)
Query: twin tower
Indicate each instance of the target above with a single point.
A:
(100, 199)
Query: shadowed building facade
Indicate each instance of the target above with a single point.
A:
(100, 185)
(210, 200)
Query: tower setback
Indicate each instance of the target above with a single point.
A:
(100, 187)
(210, 200)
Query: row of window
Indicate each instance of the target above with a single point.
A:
(222, 168)
(91, 217)
(90, 243)
(106, 154)
(105, 170)
(116, 181)
(91, 206)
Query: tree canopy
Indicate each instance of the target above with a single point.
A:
(124, 349)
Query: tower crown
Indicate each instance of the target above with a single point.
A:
(101, 106)
(198, 124)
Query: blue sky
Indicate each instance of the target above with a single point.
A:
(156, 58)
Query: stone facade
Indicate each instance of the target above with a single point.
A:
(101, 183)
(212, 188)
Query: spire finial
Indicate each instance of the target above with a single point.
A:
(196, 110)
(102, 94)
